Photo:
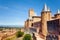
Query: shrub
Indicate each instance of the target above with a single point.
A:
(19, 34)
(1, 29)
(8, 39)
(27, 37)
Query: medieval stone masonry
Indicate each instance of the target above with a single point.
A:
(46, 24)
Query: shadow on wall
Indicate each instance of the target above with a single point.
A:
(52, 37)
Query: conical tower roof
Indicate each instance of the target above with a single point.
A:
(46, 8)
(58, 11)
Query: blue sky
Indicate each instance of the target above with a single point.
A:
(15, 12)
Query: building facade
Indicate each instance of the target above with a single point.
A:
(45, 24)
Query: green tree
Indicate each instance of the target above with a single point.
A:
(1, 29)
(8, 39)
(19, 34)
(27, 37)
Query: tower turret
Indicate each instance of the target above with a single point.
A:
(57, 16)
(45, 16)
(31, 13)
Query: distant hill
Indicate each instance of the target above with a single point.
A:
(11, 26)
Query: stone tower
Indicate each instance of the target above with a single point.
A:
(45, 16)
(30, 23)
(31, 13)
(57, 16)
(25, 24)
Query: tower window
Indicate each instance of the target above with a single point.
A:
(32, 24)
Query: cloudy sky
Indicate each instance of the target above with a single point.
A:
(15, 12)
